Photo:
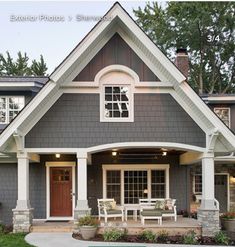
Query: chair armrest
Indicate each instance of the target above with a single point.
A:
(175, 210)
(119, 207)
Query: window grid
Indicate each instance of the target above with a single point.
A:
(198, 184)
(224, 114)
(113, 185)
(10, 106)
(158, 185)
(117, 102)
(135, 182)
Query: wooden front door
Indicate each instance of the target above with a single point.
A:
(60, 191)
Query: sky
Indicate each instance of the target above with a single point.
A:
(53, 39)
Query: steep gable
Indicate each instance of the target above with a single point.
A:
(116, 51)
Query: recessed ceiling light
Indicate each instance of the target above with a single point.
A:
(114, 153)
(164, 153)
(57, 156)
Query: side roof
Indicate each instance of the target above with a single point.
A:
(164, 69)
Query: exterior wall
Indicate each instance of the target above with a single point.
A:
(178, 176)
(8, 191)
(74, 121)
(116, 51)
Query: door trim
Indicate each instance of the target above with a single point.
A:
(228, 187)
(59, 164)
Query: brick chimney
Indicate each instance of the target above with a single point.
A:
(182, 61)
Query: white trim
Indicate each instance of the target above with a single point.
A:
(219, 98)
(136, 167)
(20, 84)
(229, 113)
(59, 164)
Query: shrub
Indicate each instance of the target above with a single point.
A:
(228, 216)
(221, 238)
(88, 221)
(148, 235)
(190, 238)
(2, 228)
(163, 236)
(114, 234)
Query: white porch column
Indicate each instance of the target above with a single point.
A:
(22, 214)
(82, 203)
(208, 213)
(208, 187)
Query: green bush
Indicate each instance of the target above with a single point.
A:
(88, 221)
(163, 236)
(114, 234)
(148, 235)
(221, 238)
(2, 228)
(190, 238)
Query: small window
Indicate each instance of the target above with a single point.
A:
(198, 184)
(224, 114)
(117, 103)
(10, 106)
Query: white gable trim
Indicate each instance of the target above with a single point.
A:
(157, 61)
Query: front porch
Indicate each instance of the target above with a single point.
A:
(181, 226)
(75, 179)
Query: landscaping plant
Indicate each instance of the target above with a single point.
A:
(114, 234)
(148, 235)
(221, 238)
(88, 221)
(163, 236)
(190, 238)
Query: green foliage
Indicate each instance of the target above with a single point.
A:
(228, 216)
(13, 240)
(21, 67)
(190, 238)
(206, 29)
(221, 238)
(2, 227)
(148, 235)
(88, 221)
(163, 236)
(114, 234)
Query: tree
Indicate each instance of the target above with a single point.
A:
(206, 29)
(20, 66)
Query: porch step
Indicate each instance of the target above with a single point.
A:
(52, 227)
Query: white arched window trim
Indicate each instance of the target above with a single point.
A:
(116, 75)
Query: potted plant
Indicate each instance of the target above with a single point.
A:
(228, 221)
(88, 227)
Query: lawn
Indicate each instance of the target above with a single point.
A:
(13, 240)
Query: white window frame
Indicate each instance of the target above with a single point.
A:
(135, 167)
(229, 114)
(194, 182)
(7, 105)
(131, 104)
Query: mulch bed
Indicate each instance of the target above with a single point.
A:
(136, 239)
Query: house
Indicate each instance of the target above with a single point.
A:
(115, 119)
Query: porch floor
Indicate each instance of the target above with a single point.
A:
(181, 226)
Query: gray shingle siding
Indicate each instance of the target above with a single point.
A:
(74, 121)
(8, 190)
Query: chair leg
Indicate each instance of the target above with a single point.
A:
(105, 219)
(122, 218)
(175, 218)
(160, 221)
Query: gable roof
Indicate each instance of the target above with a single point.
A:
(164, 69)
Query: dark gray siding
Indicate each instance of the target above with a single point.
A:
(37, 193)
(179, 179)
(74, 121)
(8, 191)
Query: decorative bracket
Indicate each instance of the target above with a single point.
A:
(212, 137)
(19, 140)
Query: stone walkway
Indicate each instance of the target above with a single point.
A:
(65, 240)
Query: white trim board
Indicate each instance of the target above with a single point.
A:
(50, 164)
(136, 167)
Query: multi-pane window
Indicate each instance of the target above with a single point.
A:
(135, 184)
(198, 184)
(116, 102)
(10, 106)
(224, 114)
(158, 183)
(114, 185)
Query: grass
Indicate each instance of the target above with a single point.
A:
(13, 240)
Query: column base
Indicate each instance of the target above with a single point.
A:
(22, 220)
(81, 210)
(209, 220)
